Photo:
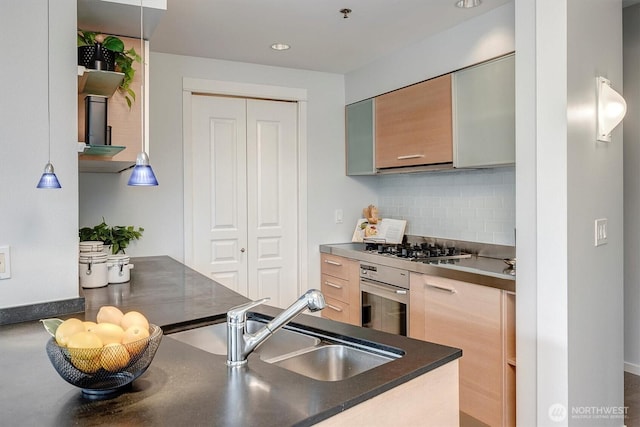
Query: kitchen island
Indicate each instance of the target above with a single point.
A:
(188, 386)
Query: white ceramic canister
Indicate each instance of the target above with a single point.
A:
(119, 268)
(93, 269)
(91, 246)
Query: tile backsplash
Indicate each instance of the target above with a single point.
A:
(473, 205)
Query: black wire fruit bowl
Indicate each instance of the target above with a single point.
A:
(103, 373)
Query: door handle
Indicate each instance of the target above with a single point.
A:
(242, 250)
(441, 288)
(410, 156)
(333, 285)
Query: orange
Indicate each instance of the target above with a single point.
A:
(68, 328)
(109, 314)
(114, 357)
(134, 318)
(109, 333)
(134, 339)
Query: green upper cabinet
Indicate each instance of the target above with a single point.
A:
(484, 114)
(360, 138)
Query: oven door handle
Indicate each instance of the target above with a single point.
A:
(385, 291)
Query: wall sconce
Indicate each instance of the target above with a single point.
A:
(611, 109)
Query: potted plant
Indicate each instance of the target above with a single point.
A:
(114, 56)
(118, 237)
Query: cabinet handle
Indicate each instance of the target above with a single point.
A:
(333, 307)
(410, 156)
(333, 285)
(328, 261)
(442, 288)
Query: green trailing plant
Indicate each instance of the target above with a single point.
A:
(118, 237)
(124, 60)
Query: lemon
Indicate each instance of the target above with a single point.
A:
(90, 366)
(85, 349)
(109, 314)
(68, 328)
(134, 339)
(114, 357)
(109, 333)
(134, 318)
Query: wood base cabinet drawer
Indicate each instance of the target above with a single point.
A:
(335, 266)
(336, 310)
(334, 287)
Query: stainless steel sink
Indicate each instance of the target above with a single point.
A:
(315, 356)
(213, 338)
(333, 362)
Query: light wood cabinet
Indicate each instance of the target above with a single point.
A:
(340, 285)
(484, 125)
(413, 125)
(473, 318)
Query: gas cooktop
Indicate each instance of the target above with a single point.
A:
(425, 252)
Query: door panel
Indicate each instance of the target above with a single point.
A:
(272, 212)
(219, 191)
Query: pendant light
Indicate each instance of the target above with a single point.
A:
(142, 174)
(49, 178)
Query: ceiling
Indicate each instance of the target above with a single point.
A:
(320, 38)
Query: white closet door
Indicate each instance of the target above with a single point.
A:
(272, 204)
(220, 190)
(245, 186)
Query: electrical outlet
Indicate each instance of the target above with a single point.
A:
(5, 262)
(601, 232)
(338, 216)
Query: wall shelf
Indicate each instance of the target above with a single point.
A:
(99, 150)
(98, 82)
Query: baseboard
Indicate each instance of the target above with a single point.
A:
(27, 313)
(632, 368)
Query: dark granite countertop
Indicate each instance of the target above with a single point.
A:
(477, 269)
(185, 385)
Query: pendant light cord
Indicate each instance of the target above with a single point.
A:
(142, 88)
(48, 81)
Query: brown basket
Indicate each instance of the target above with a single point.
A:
(81, 367)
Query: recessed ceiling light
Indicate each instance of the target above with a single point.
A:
(280, 46)
(466, 4)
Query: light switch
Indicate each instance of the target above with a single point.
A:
(5, 262)
(601, 231)
(338, 215)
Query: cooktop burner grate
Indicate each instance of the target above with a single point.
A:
(424, 252)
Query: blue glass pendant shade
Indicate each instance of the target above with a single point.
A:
(49, 178)
(142, 174)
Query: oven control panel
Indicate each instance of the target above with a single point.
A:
(383, 274)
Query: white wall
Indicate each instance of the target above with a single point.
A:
(595, 190)
(159, 210)
(569, 301)
(631, 41)
(39, 225)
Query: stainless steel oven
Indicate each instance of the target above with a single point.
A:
(384, 297)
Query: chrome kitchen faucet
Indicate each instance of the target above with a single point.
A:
(241, 343)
